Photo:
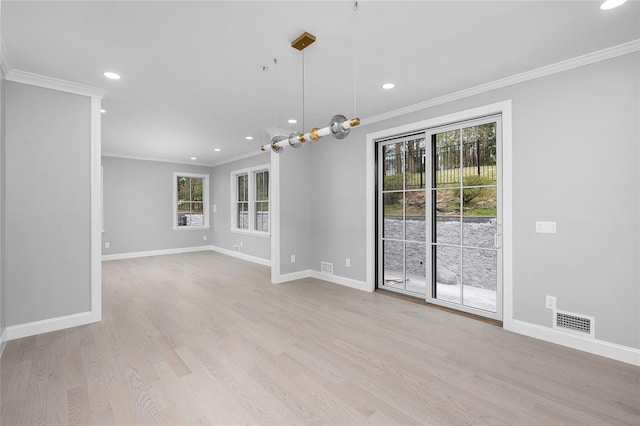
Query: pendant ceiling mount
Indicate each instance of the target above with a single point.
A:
(303, 41)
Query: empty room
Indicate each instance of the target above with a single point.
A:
(320, 212)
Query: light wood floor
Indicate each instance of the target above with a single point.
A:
(202, 338)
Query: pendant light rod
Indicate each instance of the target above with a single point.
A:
(338, 128)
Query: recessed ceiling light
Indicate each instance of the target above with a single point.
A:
(610, 4)
(103, 111)
(111, 75)
(193, 158)
(249, 138)
(292, 121)
(388, 86)
(216, 149)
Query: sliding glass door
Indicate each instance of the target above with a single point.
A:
(402, 206)
(439, 215)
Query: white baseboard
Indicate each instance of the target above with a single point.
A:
(48, 325)
(347, 282)
(247, 257)
(335, 279)
(594, 346)
(119, 256)
(3, 341)
(299, 275)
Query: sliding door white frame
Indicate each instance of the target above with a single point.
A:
(502, 108)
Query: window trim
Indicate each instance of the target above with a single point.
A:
(251, 173)
(205, 201)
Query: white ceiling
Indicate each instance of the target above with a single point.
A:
(192, 72)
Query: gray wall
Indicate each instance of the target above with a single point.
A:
(48, 200)
(575, 161)
(137, 207)
(295, 211)
(338, 206)
(223, 237)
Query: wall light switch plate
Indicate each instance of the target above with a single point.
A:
(545, 227)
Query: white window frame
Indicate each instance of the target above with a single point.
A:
(205, 201)
(251, 173)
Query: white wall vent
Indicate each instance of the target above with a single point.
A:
(581, 325)
(326, 268)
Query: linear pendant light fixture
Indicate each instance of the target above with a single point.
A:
(339, 126)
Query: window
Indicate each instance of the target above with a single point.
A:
(190, 201)
(250, 200)
(262, 201)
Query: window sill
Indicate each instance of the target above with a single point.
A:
(247, 232)
(192, 228)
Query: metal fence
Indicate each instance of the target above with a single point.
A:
(478, 159)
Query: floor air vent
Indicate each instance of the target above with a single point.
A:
(574, 323)
(326, 268)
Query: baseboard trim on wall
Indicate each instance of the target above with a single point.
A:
(132, 255)
(593, 346)
(237, 254)
(335, 279)
(48, 325)
(3, 341)
(292, 276)
(347, 282)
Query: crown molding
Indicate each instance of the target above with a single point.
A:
(569, 64)
(32, 79)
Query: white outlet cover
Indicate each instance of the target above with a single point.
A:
(550, 302)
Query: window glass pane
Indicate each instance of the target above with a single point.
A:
(266, 185)
(479, 221)
(447, 212)
(446, 159)
(262, 186)
(196, 189)
(393, 253)
(479, 278)
(393, 207)
(415, 223)
(392, 169)
(479, 154)
(243, 215)
(416, 267)
(183, 188)
(262, 216)
(414, 167)
(184, 208)
(243, 188)
(447, 267)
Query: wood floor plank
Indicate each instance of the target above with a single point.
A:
(202, 338)
(79, 411)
